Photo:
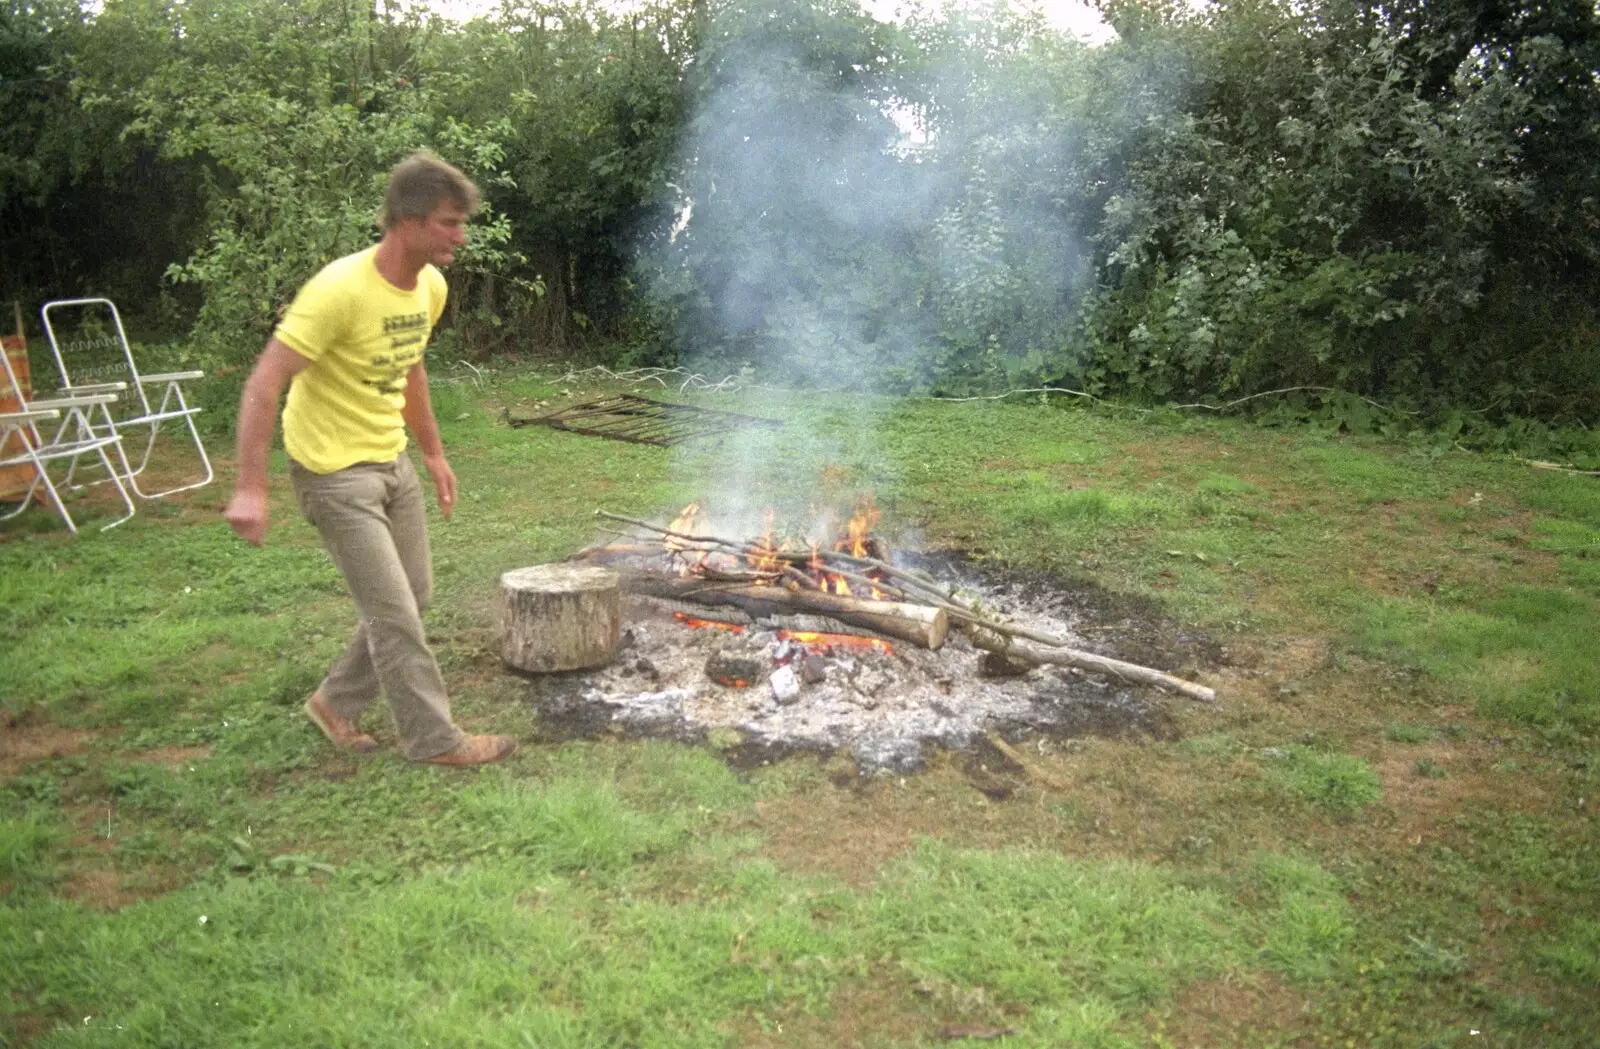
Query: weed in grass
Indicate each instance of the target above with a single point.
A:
(1224, 484)
(1410, 733)
(1208, 745)
(1515, 1010)
(1575, 957)
(25, 846)
(1427, 768)
(1091, 1022)
(1342, 784)
(1074, 816)
(1430, 961)
(1545, 855)
(1050, 452)
(1046, 507)
(42, 786)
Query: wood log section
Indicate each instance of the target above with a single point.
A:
(990, 641)
(922, 625)
(560, 617)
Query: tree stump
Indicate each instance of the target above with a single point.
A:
(560, 617)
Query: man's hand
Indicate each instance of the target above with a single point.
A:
(258, 415)
(444, 482)
(247, 515)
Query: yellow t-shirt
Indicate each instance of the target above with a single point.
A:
(361, 335)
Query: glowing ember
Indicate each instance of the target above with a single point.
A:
(706, 624)
(820, 643)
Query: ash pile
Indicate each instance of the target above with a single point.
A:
(782, 645)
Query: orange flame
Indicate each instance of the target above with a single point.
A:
(820, 643)
(769, 554)
(763, 555)
(857, 541)
(687, 523)
(857, 533)
(683, 523)
(706, 624)
(828, 582)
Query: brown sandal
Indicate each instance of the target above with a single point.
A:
(340, 732)
(475, 750)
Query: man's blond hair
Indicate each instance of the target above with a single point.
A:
(420, 183)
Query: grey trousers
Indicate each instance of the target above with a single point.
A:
(370, 517)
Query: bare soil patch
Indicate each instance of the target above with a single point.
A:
(851, 829)
(171, 757)
(100, 888)
(861, 1016)
(94, 874)
(24, 741)
(1211, 1013)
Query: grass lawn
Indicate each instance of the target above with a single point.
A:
(1384, 834)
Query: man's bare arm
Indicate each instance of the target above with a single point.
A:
(418, 415)
(258, 417)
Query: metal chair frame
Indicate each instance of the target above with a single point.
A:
(72, 415)
(172, 405)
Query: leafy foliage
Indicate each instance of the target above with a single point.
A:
(1373, 204)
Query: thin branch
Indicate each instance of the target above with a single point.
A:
(1014, 393)
(1539, 464)
(1290, 389)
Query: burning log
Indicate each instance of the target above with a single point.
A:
(560, 617)
(985, 632)
(921, 625)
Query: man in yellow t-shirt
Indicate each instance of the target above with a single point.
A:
(350, 348)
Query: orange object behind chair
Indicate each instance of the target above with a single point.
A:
(15, 481)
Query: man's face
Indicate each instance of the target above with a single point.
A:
(439, 235)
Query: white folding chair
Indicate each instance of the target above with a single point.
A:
(114, 363)
(22, 443)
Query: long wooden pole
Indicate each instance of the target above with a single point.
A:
(987, 638)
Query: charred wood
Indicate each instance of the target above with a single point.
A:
(921, 625)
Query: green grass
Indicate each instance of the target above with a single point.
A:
(26, 846)
(1522, 653)
(1338, 783)
(1408, 629)
(1575, 956)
